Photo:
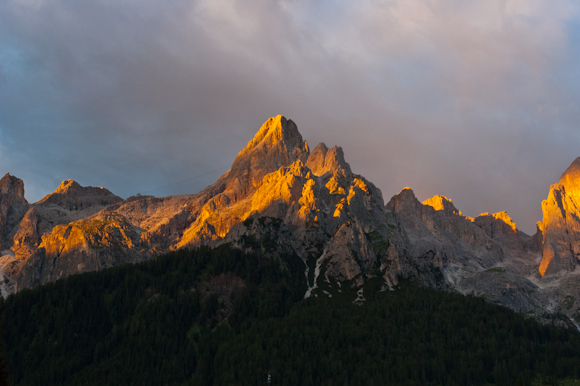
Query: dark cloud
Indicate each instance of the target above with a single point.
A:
(473, 100)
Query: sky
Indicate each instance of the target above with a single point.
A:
(474, 100)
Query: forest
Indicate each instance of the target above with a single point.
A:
(227, 317)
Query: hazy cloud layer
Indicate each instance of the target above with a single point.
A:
(475, 100)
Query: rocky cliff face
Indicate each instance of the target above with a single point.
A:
(28, 224)
(278, 197)
(13, 207)
(561, 223)
(85, 245)
(485, 256)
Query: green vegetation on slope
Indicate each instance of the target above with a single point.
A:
(177, 320)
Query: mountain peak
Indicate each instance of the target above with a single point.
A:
(12, 185)
(323, 160)
(502, 216)
(402, 201)
(442, 203)
(70, 194)
(571, 177)
(274, 130)
(278, 143)
(67, 185)
(560, 224)
(66, 188)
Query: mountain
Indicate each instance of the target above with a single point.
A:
(25, 233)
(561, 223)
(281, 197)
(275, 180)
(13, 206)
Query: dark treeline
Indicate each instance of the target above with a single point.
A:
(160, 323)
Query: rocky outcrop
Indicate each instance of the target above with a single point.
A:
(469, 252)
(443, 234)
(501, 228)
(86, 245)
(13, 207)
(278, 143)
(561, 223)
(69, 202)
(324, 160)
(442, 203)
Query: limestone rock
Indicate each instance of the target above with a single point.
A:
(277, 143)
(570, 179)
(561, 223)
(85, 245)
(463, 249)
(69, 202)
(442, 203)
(501, 228)
(504, 287)
(348, 255)
(323, 160)
(13, 207)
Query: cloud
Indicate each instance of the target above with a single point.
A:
(474, 100)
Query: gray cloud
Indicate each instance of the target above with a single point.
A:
(473, 100)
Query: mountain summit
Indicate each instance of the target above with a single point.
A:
(277, 143)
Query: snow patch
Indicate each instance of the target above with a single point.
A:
(575, 323)
(316, 275)
(360, 298)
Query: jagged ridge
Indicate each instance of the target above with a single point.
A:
(335, 220)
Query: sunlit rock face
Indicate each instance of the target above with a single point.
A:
(85, 245)
(323, 160)
(442, 203)
(561, 223)
(69, 202)
(277, 144)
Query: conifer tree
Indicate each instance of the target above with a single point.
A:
(3, 373)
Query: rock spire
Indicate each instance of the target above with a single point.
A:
(561, 223)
